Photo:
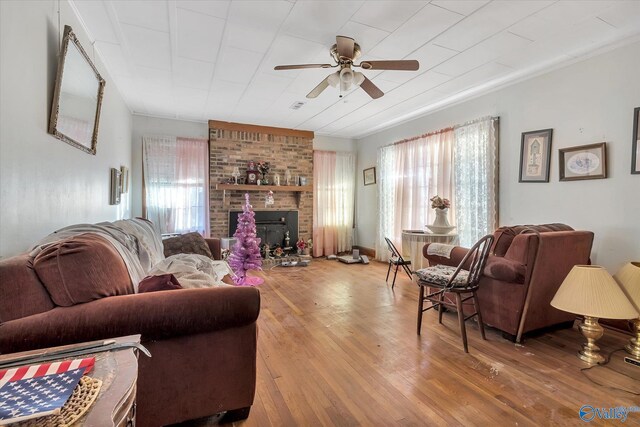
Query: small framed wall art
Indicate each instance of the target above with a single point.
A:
(583, 162)
(635, 145)
(124, 179)
(369, 176)
(535, 156)
(115, 190)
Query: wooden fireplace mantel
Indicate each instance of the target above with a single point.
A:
(298, 189)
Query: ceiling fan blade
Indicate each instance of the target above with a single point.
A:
(318, 89)
(371, 89)
(345, 46)
(298, 66)
(402, 65)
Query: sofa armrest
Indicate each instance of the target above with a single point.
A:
(214, 246)
(457, 254)
(154, 315)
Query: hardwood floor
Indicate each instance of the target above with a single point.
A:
(338, 347)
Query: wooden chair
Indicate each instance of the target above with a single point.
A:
(397, 260)
(457, 281)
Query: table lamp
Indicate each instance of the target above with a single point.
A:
(629, 279)
(589, 290)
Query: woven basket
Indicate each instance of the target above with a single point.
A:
(80, 401)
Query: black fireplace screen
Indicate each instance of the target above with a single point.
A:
(272, 227)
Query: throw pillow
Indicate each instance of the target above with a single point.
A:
(82, 268)
(162, 282)
(190, 243)
(504, 269)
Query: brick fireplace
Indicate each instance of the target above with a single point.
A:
(273, 227)
(234, 145)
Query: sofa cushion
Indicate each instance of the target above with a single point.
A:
(504, 269)
(82, 268)
(504, 235)
(162, 282)
(21, 292)
(190, 243)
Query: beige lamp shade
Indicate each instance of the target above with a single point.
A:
(590, 290)
(629, 279)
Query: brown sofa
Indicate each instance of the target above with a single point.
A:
(202, 341)
(525, 269)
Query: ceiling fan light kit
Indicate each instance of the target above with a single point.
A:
(344, 53)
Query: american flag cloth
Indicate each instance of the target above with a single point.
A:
(34, 391)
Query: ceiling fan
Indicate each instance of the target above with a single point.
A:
(344, 53)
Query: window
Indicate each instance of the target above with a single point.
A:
(333, 201)
(457, 163)
(176, 172)
(410, 173)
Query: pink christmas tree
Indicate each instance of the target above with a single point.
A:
(245, 254)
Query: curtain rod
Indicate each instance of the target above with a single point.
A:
(477, 120)
(424, 135)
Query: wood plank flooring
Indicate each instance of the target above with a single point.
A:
(338, 347)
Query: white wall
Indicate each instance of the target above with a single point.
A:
(329, 143)
(143, 125)
(45, 183)
(586, 102)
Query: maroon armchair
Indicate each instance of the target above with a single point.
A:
(525, 269)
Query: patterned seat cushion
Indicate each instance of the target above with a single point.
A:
(441, 274)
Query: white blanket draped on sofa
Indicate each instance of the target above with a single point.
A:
(139, 244)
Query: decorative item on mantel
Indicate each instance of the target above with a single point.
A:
(287, 177)
(441, 224)
(264, 167)
(245, 254)
(235, 174)
(252, 174)
(276, 180)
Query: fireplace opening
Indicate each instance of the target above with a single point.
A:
(276, 228)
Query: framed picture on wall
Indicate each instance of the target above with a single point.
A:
(115, 189)
(635, 146)
(583, 162)
(535, 156)
(369, 176)
(124, 179)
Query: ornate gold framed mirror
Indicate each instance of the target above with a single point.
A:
(77, 97)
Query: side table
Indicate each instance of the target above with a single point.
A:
(413, 241)
(118, 371)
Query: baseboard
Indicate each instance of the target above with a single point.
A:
(371, 253)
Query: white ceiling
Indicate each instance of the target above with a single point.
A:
(200, 60)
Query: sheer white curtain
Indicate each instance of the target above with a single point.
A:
(333, 201)
(476, 179)
(411, 172)
(176, 178)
